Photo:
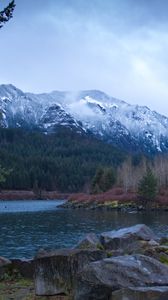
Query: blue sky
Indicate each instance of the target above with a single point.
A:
(118, 46)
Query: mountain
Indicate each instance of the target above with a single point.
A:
(130, 127)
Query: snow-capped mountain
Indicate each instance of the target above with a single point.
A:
(128, 126)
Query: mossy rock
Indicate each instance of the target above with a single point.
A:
(164, 259)
(112, 204)
(100, 247)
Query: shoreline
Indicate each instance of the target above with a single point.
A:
(115, 199)
(61, 273)
(14, 195)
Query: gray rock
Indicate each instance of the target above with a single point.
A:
(164, 240)
(99, 279)
(55, 272)
(90, 241)
(128, 239)
(4, 266)
(145, 293)
(153, 243)
(158, 252)
(24, 267)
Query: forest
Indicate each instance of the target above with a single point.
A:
(67, 161)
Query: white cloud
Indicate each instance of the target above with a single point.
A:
(65, 48)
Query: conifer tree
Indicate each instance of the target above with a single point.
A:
(103, 180)
(96, 182)
(7, 13)
(107, 180)
(147, 189)
(3, 175)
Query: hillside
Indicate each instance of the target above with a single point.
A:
(65, 161)
(131, 127)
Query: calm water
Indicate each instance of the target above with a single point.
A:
(26, 226)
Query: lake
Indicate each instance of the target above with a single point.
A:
(27, 226)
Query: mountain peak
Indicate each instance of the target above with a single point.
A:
(115, 121)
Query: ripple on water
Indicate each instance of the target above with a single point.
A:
(22, 233)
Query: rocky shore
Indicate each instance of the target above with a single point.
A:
(125, 205)
(115, 198)
(130, 263)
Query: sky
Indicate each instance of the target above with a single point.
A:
(117, 46)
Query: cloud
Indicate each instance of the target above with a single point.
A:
(118, 46)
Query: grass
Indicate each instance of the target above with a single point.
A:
(17, 289)
(21, 289)
(164, 259)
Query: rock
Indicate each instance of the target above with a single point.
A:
(24, 267)
(153, 243)
(4, 266)
(159, 252)
(164, 241)
(90, 241)
(4, 261)
(128, 239)
(55, 272)
(99, 279)
(141, 293)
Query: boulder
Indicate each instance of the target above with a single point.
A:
(99, 279)
(90, 241)
(24, 267)
(164, 240)
(128, 239)
(55, 272)
(4, 266)
(141, 293)
(159, 252)
(153, 243)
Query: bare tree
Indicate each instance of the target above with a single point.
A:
(7, 13)
(128, 175)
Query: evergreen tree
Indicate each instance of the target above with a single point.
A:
(108, 179)
(96, 182)
(7, 13)
(147, 189)
(3, 175)
(64, 161)
(103, 180)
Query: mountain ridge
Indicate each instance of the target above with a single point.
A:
(132, 127)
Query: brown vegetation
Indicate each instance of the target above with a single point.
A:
(29, 195)
(116, 194)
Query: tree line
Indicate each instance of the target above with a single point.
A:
(64, 161)
(69, 162)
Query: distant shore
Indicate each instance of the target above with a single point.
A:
(30, 195)
(116, 198)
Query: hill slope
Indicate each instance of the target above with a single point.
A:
(131, 127)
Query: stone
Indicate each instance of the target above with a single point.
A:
(158, 252)
(24, 267)
(153, 243)
(55, 272)
(99, 279)
(90, 241)
(128, 239)
(141, 293)
(4, 266)
(164, 240)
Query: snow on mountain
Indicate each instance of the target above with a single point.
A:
(54, 116)
(128, 126)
